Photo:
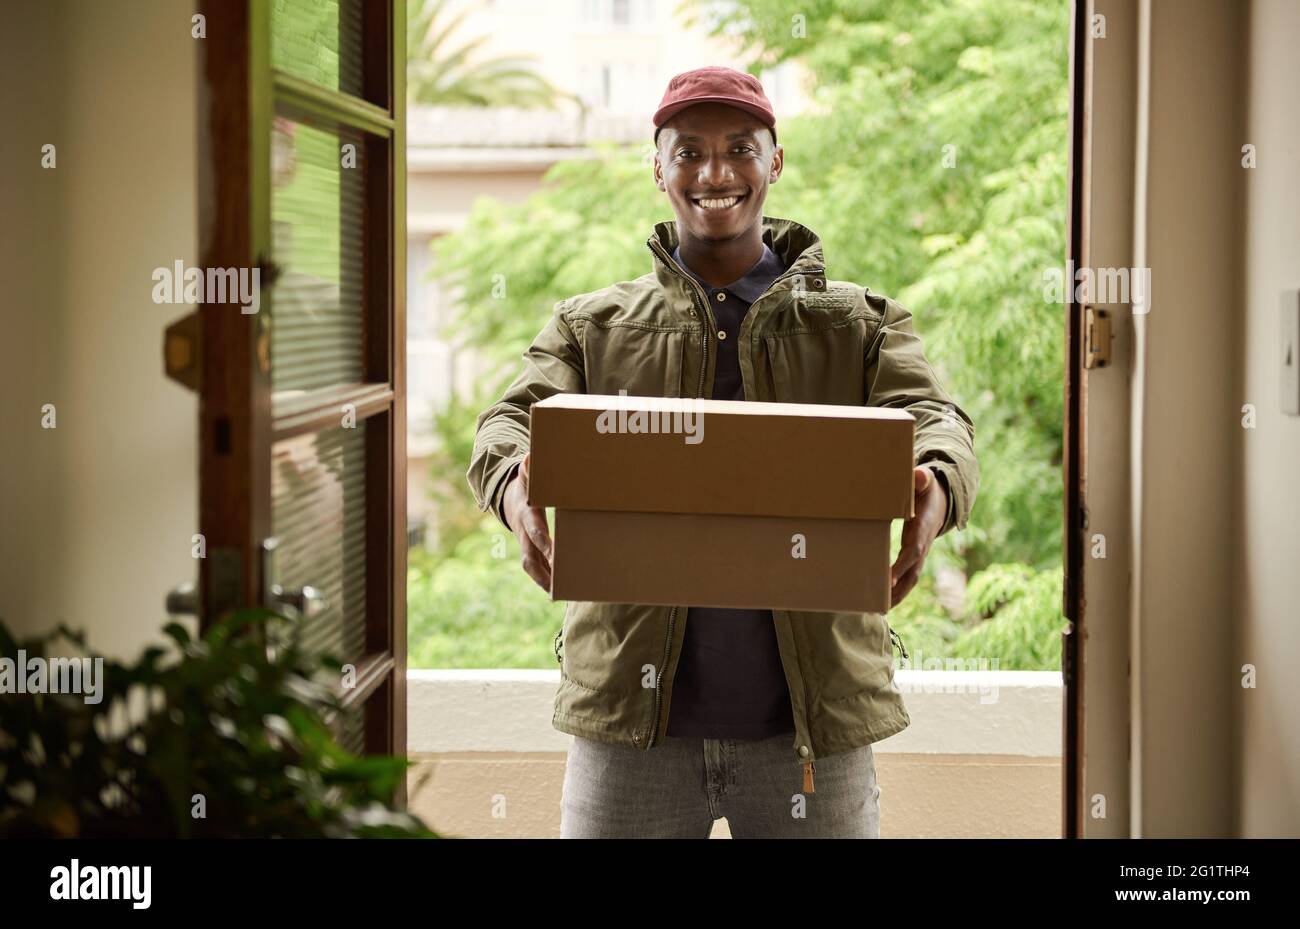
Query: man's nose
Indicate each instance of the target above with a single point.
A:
(716, 172)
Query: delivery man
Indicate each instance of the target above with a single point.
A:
(681, 716)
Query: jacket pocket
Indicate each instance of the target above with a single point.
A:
(844, 656)
(644, 362)
(605, 646)
(823, 366)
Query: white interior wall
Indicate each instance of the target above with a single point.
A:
(1265, 609)
(98, 513)
(1185, 420)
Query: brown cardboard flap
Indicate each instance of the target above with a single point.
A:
(668, 455)
(736, 562)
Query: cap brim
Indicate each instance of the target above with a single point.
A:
(666, 113)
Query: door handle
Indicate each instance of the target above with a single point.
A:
(305, 602)
(183, 599)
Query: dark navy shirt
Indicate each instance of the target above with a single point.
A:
(730, 683)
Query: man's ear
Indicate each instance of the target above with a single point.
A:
(778, 164)
(659, 174)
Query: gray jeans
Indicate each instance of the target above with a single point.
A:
(678, 789)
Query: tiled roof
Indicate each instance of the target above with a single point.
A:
(501, 127)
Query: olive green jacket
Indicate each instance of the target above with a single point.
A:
(806, 339)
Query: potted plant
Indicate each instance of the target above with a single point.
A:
(227, 735)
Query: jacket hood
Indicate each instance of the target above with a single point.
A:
(798, 247)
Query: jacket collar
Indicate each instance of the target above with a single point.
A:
(750, 285)
(798, 247)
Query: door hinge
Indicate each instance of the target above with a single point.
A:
(1096, 337)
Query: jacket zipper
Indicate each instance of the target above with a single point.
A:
(808, 766)
(701, 307)
(659, 678)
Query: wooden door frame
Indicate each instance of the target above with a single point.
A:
(1075, 446)
(235, 232)
(1071, 800)
(238, 96)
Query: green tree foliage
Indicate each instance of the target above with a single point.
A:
(477, 608)
(932, 164)
(1020, 622)
(936, 174)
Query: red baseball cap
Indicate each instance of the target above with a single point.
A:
(715, 84)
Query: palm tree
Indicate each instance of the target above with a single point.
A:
(437, 73)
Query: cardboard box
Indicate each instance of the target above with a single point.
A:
(721, 503)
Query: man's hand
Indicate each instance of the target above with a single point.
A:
(529, 525)
(919, 532)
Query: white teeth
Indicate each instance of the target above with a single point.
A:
(719, 204)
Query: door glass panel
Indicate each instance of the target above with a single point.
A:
(318, 223)
(318, 512)
(319, 41)
(350, 729)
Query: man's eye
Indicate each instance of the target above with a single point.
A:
(744, 148)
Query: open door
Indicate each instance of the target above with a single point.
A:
(302, 423)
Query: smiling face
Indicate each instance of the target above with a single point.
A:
(715, 162)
